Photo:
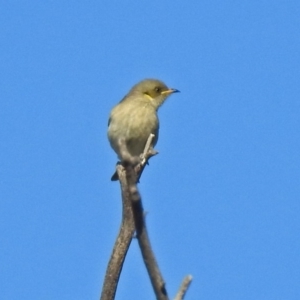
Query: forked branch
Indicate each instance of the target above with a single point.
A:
(133, 220)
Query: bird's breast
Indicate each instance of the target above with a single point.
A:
(134, 125)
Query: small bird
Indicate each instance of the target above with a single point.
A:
(134, 118)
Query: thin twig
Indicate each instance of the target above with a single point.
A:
(147, 154)
(148, 146)
(183, 288)
(154, 273)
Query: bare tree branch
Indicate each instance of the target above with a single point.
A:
(127, 229)
(147, 154)
(183, 288)
(122, 242)
(156, 278)
(129, 172)
(155, 275)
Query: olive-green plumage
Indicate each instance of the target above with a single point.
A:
(135, 117)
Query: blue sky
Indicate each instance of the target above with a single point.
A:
(222, 196)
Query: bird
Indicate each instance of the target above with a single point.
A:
(134, 118)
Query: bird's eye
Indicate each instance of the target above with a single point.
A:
(157, 89)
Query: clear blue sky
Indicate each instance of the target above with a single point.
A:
(223, 195)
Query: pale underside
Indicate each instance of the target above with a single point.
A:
(132, 125)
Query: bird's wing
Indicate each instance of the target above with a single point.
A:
(124, 98)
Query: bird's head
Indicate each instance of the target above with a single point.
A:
(154, 90)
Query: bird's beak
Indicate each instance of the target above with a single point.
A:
(170, 91)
